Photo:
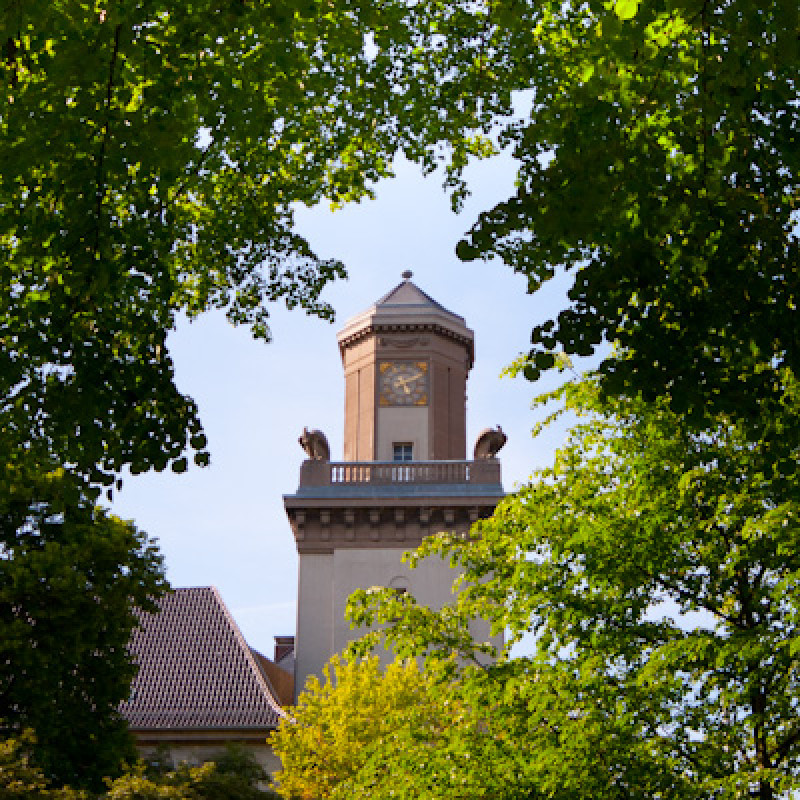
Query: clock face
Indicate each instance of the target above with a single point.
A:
(403, 383)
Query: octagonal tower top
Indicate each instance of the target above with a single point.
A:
(407, 308)
(406, 360)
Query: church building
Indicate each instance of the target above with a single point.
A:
(404, 475)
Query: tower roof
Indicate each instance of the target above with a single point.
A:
(407, 293)
(407, 308)
(195, 669)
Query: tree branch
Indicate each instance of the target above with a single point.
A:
(100, 191)
(781, 751)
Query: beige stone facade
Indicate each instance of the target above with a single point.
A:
(197, 747)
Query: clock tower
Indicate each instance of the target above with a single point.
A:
(404, 474)
(405, 362)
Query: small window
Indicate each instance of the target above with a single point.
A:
(401, 451)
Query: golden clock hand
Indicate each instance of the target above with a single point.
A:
(400, 381)
(398, 384)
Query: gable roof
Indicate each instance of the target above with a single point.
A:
(195, 669)
(279, 679)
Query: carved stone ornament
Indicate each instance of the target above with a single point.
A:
(315, 443)
(396, 341)
(489, 442)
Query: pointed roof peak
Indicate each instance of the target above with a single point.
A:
(406, 307)
(407, 293)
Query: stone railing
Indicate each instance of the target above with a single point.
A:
(383, 473)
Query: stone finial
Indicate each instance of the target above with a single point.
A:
(407, 275)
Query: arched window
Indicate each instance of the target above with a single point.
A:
(400, 584)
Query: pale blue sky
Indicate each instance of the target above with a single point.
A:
(225, 525)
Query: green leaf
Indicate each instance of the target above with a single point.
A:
(626, 9)
(179, 465)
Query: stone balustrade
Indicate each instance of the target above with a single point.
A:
(386, 473)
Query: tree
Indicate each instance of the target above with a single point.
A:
(234, 775)
(660, 163)
(658, 568)
(19, 779)
(70, 578)
(152, 153)
(342, 730)
(231, 774)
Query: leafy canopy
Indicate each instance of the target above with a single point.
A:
(657, 567)
(660, 164)
(70, 578)
(152, 153)
(335, 745)
(232, 775)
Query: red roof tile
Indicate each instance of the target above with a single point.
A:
(195, 669)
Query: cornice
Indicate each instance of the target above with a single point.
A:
(324, 528)
(377, 328)
(208, 735)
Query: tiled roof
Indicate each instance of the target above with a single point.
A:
(195, 669)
